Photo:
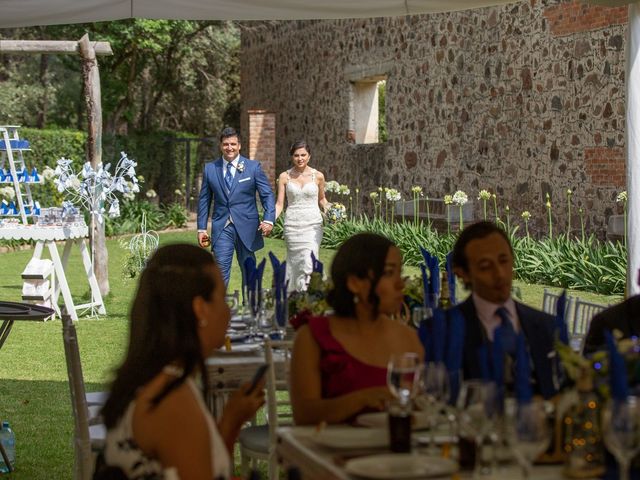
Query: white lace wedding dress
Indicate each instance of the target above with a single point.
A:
(302, 231)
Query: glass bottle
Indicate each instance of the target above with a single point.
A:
(583, 444)
(445, 298)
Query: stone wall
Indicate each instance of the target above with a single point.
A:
(523, 100)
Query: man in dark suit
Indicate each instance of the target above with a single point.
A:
(483, 259)
(232, 182)
(624, 317)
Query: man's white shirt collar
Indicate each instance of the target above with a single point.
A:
(487, 316)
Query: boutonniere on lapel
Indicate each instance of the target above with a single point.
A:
(240, 167)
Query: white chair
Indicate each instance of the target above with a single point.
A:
(88, 438)
(259, 442)
(584, 312)
(550, 302)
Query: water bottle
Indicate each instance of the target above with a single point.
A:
(8, 439)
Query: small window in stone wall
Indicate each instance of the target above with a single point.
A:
(367, 110)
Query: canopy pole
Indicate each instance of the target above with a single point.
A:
(633, 149)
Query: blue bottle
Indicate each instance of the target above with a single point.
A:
(8, 439)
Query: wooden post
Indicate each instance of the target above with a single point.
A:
(91, 77)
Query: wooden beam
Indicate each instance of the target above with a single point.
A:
(51, 46)
(91, 77)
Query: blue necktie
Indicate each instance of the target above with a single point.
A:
(228, 178)
(508, 333)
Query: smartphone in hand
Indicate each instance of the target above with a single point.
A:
(260, 372)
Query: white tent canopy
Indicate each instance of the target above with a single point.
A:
(17, 13)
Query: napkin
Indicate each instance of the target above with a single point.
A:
(560, 323)
(253, 282)
(454, 349)
(280, 289)
(524, 394)
(425, 338)
(432, 284)
(316, 264)
(438, 337)
(451, 278)
(617, 370)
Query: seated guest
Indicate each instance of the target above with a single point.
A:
(624, 317)
(339, 362)
(157, 421)
(483, 259)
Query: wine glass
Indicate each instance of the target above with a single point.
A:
(435, 388)
(528, 432)
(477, 411)
(622, 431)
(419, 314)
(403, 375)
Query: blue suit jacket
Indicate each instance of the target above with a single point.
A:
(239, 202)
(538, 330)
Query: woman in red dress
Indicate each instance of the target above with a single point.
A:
(339, 362)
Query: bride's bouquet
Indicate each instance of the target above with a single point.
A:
(336, 213)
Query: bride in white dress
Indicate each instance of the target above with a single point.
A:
(303, 188)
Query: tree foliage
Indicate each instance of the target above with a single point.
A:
(164, 74)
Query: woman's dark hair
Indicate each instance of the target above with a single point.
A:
(364, 256)
(163, 324)
(299, 144)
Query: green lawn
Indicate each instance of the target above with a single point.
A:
(34, 394)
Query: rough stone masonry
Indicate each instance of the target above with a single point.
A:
(523, 100)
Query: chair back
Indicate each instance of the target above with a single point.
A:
(83, 460)
(550, 305)
(277, 354)
(584, 312)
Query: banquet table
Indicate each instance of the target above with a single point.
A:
(226, 371)
(46, 237)
(296, 447)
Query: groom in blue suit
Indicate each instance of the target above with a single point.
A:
(232, 183)
(483, 259)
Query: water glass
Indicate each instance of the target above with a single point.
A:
(403, 375)
(477, 407)
(435, 394)
(528, 432)
(622, 431)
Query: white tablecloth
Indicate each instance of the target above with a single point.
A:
(41, 233)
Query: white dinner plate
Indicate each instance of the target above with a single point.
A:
(341, 437)
(419, 421)
(400, 466)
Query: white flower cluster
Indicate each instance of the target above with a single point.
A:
(460, 198)
(151, 193)
(448, 199)
(332, 186)
(484, 195)
(622, 197)
(393, 195)
(97, 189)
(48, 173)
(344, 190)
(417, 190)
(7, 193)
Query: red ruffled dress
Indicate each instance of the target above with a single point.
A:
(341, 372)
